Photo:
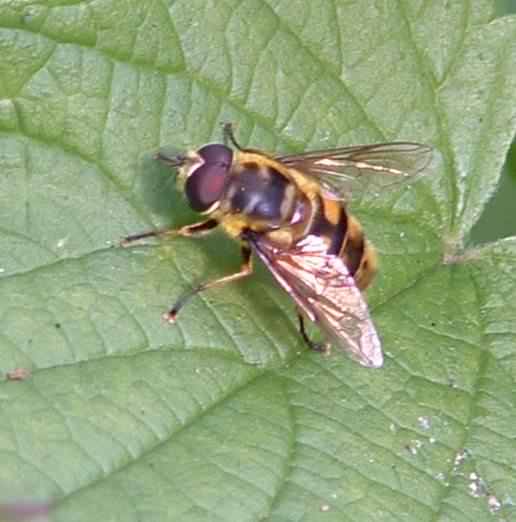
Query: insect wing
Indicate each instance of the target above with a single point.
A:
(323, 288)
(365, 167)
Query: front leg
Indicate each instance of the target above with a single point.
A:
(193, 230)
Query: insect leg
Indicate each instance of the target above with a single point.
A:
(229, 135)
(317, 347)
(245, 270)
(194, 230)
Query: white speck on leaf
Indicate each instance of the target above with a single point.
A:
(62, 242)
(477, 486)
(493, 503)
(460, 457)
(424, 422)
(414, 446)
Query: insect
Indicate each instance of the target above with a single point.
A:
(290, 212)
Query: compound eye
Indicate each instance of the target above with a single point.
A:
(216, 154)
(205, 185)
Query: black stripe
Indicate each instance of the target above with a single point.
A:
(353, 253)
(322, 227)
(339, 233)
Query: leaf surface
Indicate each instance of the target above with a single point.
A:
(226, 415)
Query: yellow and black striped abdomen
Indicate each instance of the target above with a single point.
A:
(344, 237)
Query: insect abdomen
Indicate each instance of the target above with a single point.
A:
(359, 255)
(344, 236)
(330, 221)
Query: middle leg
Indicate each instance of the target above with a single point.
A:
(246, 269)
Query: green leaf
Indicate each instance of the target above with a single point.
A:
(227, 415)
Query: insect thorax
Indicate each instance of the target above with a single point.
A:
(261, 193)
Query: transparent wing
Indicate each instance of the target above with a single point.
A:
(322, 287)
(364, 167)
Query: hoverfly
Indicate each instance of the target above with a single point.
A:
(290, 211)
